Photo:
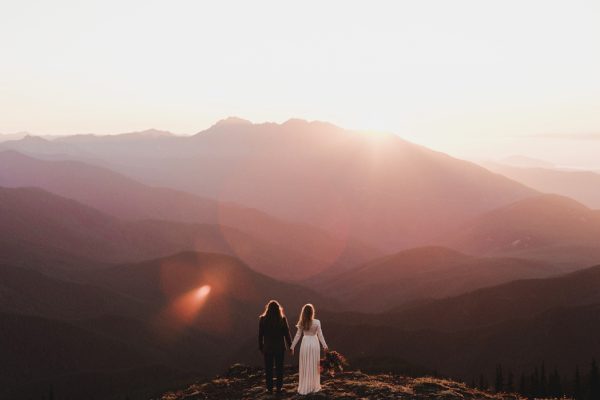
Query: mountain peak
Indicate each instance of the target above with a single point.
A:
(300, 123)
(296, 121)
(33, 139)
(13, 136)
(232, 121)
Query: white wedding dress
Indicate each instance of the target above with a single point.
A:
(309, 376)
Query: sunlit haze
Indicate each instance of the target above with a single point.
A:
(475, 79)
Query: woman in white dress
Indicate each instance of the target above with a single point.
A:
(309, 376)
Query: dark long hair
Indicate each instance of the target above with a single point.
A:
(306, 317)
(273, 313)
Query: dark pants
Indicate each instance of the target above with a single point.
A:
(276, 358)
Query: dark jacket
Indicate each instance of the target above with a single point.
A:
(273, 337)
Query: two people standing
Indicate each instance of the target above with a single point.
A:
(274, 337)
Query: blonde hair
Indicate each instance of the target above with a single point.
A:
(306, 317)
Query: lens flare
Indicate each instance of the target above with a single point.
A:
(203, 292)
(185, 308)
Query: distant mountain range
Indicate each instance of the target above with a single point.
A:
(423, 274)
(553, 228)
(39, 221)
(519, 325)
(4, 137)
(385, 191)
(583, 186)
(278, 248)
(134, 263)
(519, 299)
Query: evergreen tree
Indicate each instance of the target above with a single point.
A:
(594, 382)
(554, 385)
(523, 385)
(499, 385)
(543, 381)
(535, 383)
(577, 389)
(510, 385)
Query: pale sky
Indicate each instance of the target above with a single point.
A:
(472, 78)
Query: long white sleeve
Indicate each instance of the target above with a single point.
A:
(296, 338)
(320, 336)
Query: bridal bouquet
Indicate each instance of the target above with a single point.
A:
(332, 362)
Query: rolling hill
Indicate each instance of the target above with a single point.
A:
(519, 299)
(39, 354)
(27, 292)
(423, 274)
(234, 288)
(547, 227)
(298, 250)
(62, 237)
(562, 338)
(518, 324)
(33, 219)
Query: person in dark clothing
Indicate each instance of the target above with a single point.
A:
(273, 339)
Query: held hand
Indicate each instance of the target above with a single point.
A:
(292, 352)
(326, 349)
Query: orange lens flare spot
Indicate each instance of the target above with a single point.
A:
(186, 307)
(203, 292)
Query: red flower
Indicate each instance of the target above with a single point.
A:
(332, 362)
